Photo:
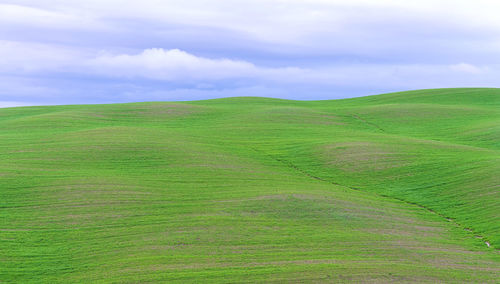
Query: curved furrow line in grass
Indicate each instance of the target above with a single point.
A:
(448, 219)
(367, 122)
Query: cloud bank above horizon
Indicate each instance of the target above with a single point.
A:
(61, 52)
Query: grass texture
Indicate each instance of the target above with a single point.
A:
(397, 187)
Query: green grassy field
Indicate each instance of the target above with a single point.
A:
(398, 187)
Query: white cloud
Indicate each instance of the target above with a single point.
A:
(21, 15)
(19, 57)
(154, 63)
(280, 21)
(178, 65)
(226, 46)
(174, 64)
(466, 68)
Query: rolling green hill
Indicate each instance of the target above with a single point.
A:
(396, 187)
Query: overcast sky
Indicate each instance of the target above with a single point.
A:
(102, 51)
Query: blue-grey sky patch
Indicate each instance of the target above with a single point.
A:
(62, 52)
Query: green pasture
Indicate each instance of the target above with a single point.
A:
(400, 187)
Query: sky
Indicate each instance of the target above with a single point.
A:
(109, 51)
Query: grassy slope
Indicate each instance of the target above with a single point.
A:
(253, 189)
